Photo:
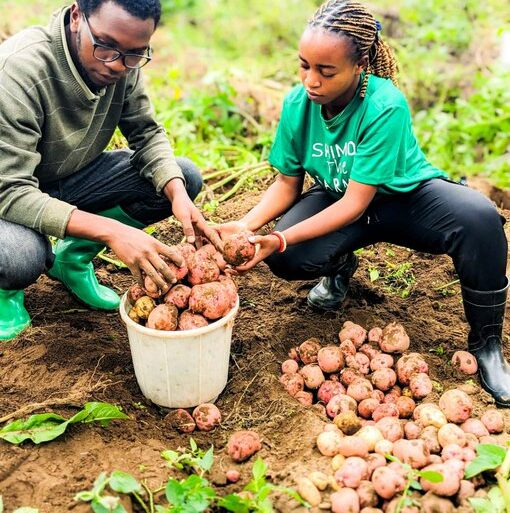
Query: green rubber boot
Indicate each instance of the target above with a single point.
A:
(13, 316)
(73, 266)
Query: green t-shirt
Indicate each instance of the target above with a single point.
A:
(371, 141)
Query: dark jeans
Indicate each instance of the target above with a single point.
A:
(439, 217)
(108, 181)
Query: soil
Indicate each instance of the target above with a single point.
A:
(72, 355)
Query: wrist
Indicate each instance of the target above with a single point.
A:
(281, 239)
(174, 187)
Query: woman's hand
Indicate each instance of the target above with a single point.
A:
(265, 245)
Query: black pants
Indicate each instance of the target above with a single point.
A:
(438, 217)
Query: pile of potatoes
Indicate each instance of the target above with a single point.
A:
(203, 292)
(370, 397)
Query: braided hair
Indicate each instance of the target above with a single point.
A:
(352, 20)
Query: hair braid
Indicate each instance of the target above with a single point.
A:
(352, 19)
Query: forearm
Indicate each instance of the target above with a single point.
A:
(92, 227)
(278, 198)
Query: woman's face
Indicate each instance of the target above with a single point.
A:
(327, 71)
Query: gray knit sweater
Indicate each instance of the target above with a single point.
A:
(52, 125)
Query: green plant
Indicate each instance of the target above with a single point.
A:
(412, 476)
(44, 427)
(491, 458)
(193, 460)
(19, 510)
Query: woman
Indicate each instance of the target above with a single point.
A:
(349, 127)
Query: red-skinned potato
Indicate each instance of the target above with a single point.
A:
(451, 434)
(313, 376)
(456, 405)
(474, 426)
(369, 350)
(394, 339)
(345, 500)
(391, 428)
(360, 389)
(230, 288)
(207, 416)
(387, 482)
(163, 317)
(405, 406)
(293, 383)
(381, 361)
(243, 444)
(330, 359)
(420, 385)
(181, 420)
(190, 321)
(412, 430)
(385, 410)
(352, 472)
(493, 420)
(450, 484)
(353, 446)
(328, 442)
(384, 378)
(328, 389)
(410, 364)
(429, 436)
(464, 362)
(178, 295)
(309, 350)
(340, 403)
(374, 335)
(412, 452)
(305, 398)
(151, 289)
(202, 268)
(347, 348)
(290, 366)
(232, 475)
(187, 250)
(348, 376)
(210, 300)
(366, 407)
(367, 496)
(353, 332)
(135, 292)
(237, 249)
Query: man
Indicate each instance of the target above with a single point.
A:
(63, 91)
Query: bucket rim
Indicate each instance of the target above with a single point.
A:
(172, 335)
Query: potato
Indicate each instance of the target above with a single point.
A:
(202, 268)
(178, 272)
(187, 251)
(352, 472)
(412, 452)
(328, 389)
(420, 385)
(134, 293)
(474, 426)
(466, 490)
(378, 395)
(151, 289)
(290, 367)
(387, 482)
(370, 351)
(336, 462)
(232, 475)
(452, 451)
(305, 398)
(178, 295)
(375, 334)
(493, 420)
(384, 378)
(391, 428)
(207, 416)
(353, 332)
(330, 359)
(384, 447)
(237, 249)
(353, 446)
(340, 403)
(134, 316)
(366, 407)
(371, 435)
(359, 362)
(181, 420)
(446, 488)
(360, 389)
(410, 364)
(293, 383)
(412, 430)
(243, 444)
(348, 422)
(367, 495)
(348, 348)
(210, 300)
(143, 307)
(385, 410)
(312, 375)
(230, 288)
(328, 443)
(429, 436)
(319, 479)
(163, 317)
(405, 406)
(394, 339)
(428, 414)
(190, 321)
(456, 405)
(451, 434)
(309, 350)
(464, 362)
(308, 491)
(376, 460)
(347, 376)
(431, 503)
(345, 500)
(381, 361)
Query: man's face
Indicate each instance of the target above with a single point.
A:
(112, 26)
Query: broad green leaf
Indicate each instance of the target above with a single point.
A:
(39, 428)
(432, 476)
(98, 412)
(489, 457)
(235, 504)
(207, 461)
(193, 444)
(123, 482)
(84, 496)
(174, 492)
(107, 504)
(259, 469)
(374, 275)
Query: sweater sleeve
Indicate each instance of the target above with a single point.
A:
(21, 200)
(153, 154)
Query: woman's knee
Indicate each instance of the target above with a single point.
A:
(296, 265)
(192, 175)
(24, 255)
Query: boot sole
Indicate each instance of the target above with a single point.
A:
(488, 389)
(323, 308)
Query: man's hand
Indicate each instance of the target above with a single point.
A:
(193, 222)
(224, 230)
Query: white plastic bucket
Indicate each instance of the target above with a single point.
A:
(180, 369)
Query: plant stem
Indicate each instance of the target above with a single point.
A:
(502, 477)
(447, 285)
(141, 502)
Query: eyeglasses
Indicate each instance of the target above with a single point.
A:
(106, 53)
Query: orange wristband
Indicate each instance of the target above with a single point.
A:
(282, 239)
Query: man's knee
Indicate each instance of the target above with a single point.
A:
(24, 255)
(192, 176)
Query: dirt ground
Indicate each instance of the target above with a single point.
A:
(72, 355)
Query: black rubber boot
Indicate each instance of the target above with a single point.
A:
(330, 292)
(485, 312)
